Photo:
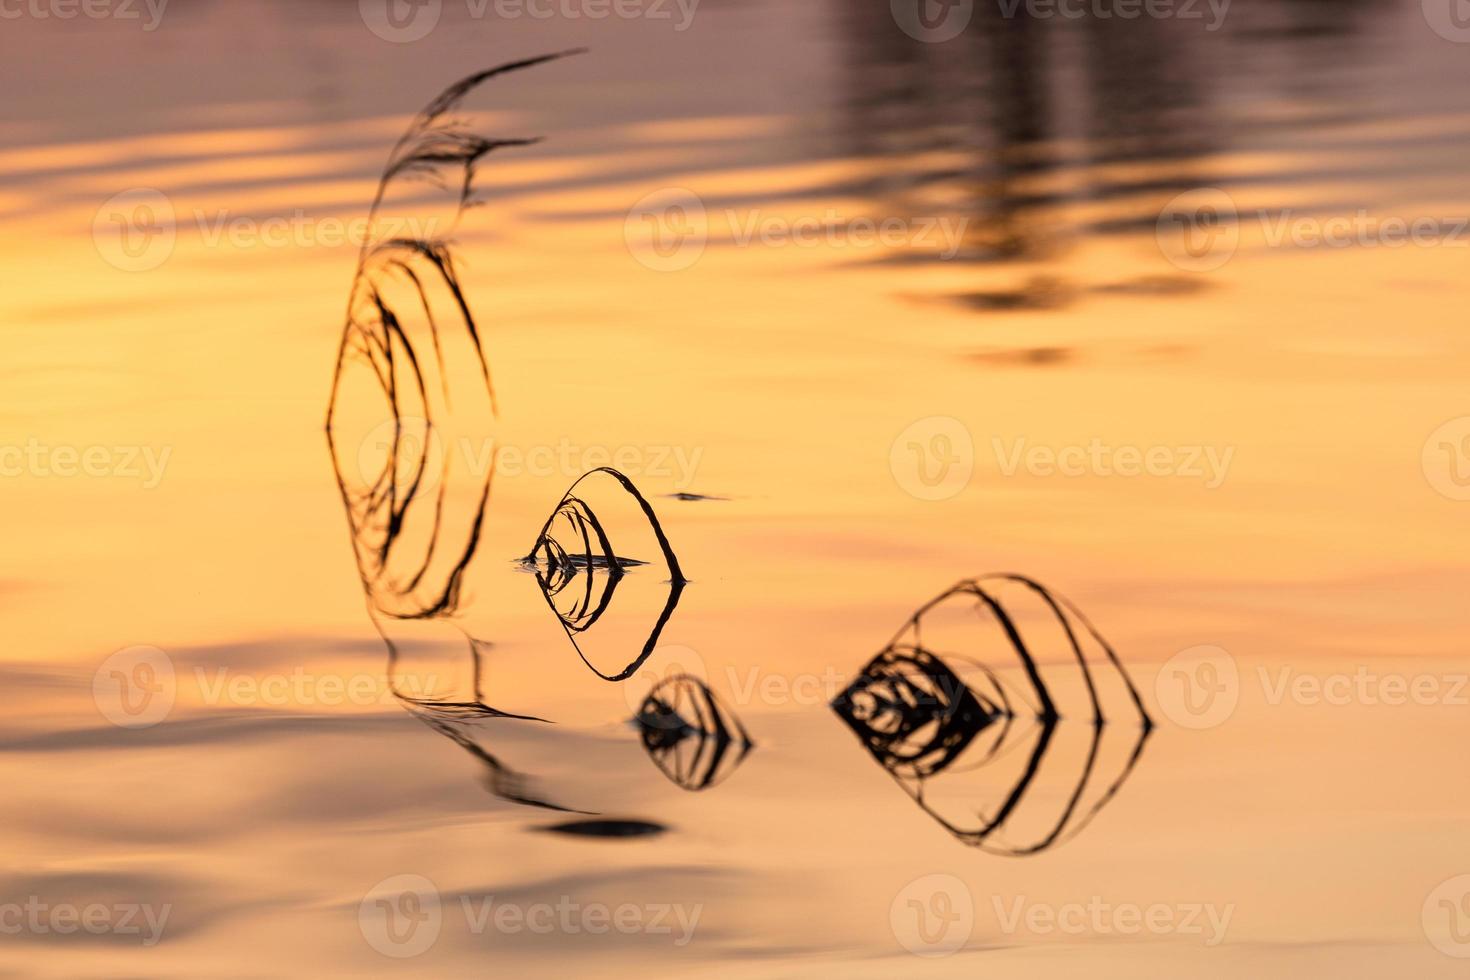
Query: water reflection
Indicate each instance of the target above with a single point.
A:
(690, 735)
(411, 378)
(997, 124)
(579, 572)
(1042, 131)
(953, 724)
(472, 725)
(412, 373)
(968, 709)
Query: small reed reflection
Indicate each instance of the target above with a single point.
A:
(690, 735)
(969, 710)
(579, 572)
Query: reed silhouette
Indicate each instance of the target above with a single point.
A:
(412, 368)
(690, 735)
(579, 568)
(964, 710)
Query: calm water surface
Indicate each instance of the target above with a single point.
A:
(1299, 536)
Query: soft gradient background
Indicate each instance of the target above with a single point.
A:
(1332, 546)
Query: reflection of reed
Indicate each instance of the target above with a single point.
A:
(412, 360)
(917, 714)
(469, 724)
(579, 570)
(411, 357)
(979, 754)
(690, 735)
